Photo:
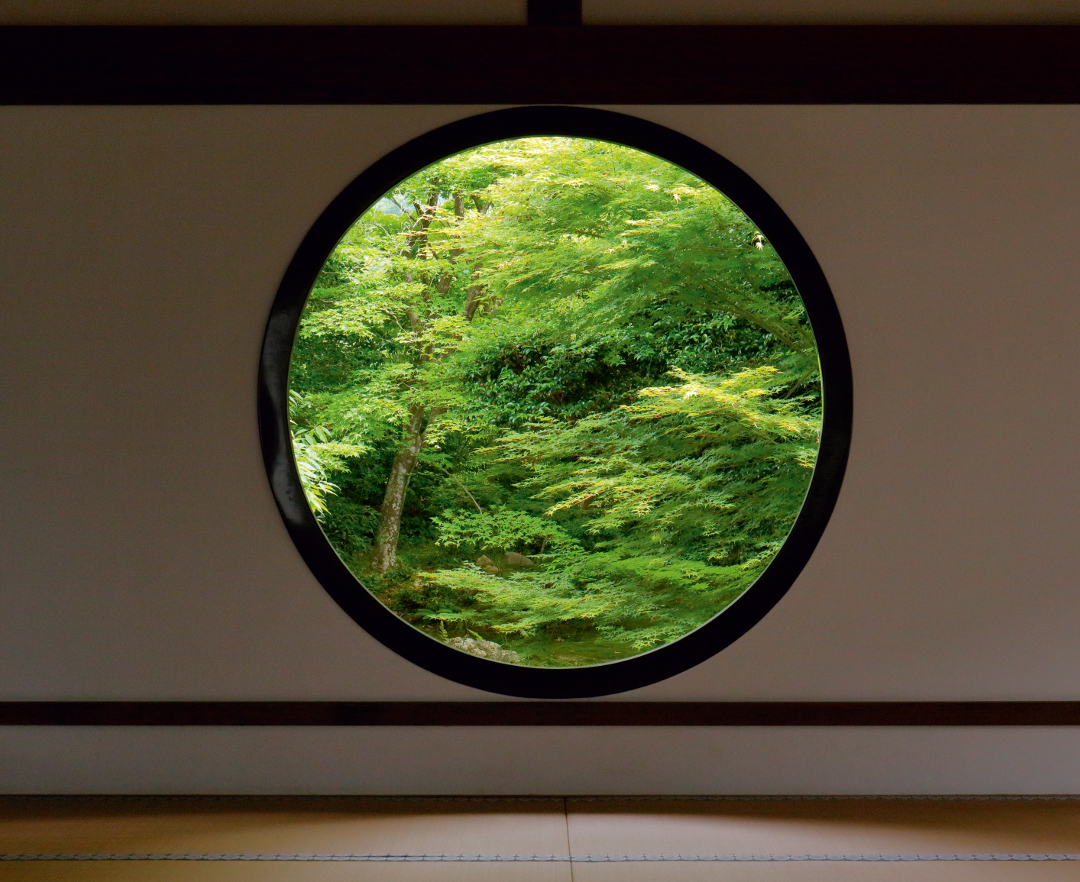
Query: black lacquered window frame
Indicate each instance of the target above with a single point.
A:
(519, 680)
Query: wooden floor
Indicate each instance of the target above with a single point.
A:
(532, 839)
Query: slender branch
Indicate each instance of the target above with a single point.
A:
(763, 324)
(394, 318)
(404, 210)
(457, 481)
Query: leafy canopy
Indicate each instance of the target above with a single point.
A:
(608, 381)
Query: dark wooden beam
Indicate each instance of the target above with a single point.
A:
(554, 12)
(540, 64)
(539, 713)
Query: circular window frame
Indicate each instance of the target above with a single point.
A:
(608, 677)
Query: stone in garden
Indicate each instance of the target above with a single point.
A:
(487, 565)
(485, 649)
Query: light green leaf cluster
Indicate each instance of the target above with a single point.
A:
(501, 530)
(686, 493)
(600, 363)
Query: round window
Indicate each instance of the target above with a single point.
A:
(555, 402)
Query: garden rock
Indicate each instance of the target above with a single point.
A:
(513, 559)
(485, 649)
(487, 565)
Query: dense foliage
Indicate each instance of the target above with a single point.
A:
(557, 395)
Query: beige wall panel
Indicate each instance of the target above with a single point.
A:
(142, 557)
(526, 760)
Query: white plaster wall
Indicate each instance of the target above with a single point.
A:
(546, 761)
(141, 556)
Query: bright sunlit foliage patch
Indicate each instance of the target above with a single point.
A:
(555, 401)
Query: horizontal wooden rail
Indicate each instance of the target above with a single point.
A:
(746, 64)
(539, 713)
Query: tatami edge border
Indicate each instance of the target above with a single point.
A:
(539, 713)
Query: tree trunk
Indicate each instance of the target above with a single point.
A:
(384, 552)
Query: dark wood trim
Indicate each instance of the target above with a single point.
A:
(539, 713)
(805, 64)
(554, 12)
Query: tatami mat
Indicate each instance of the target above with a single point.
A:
(296, 872)
(800, 872)
(283, 826)
(826, 826)
(531, 840)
